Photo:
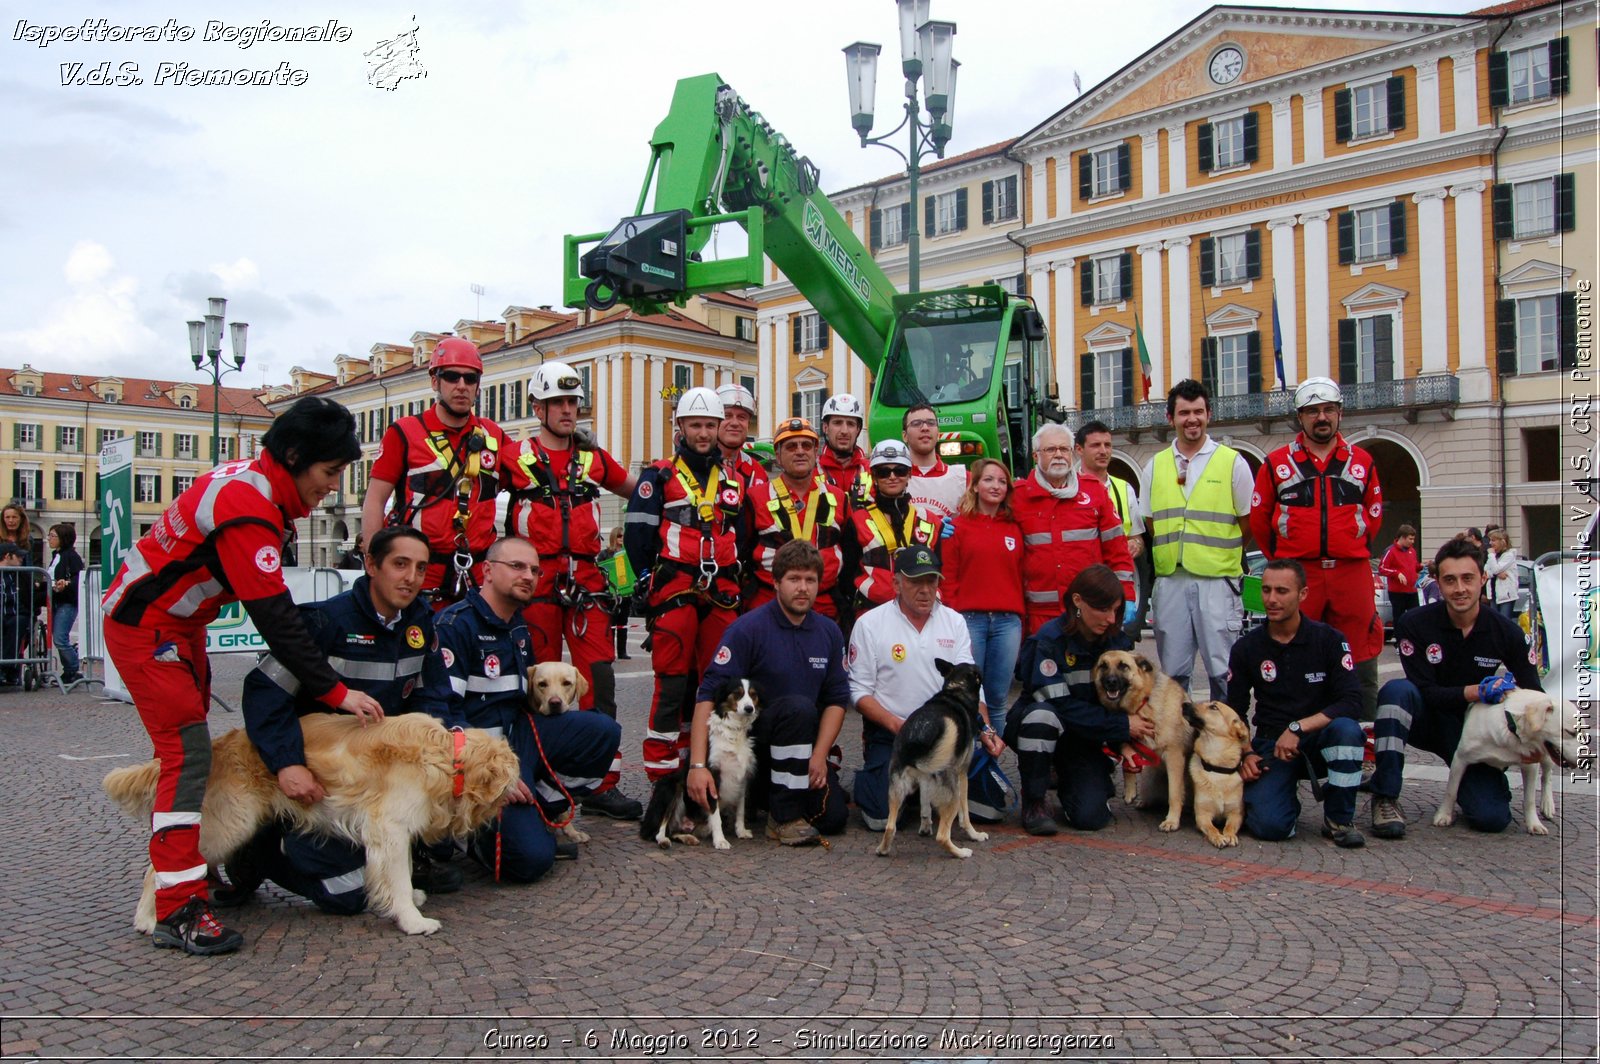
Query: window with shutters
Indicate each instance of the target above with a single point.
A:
(745, 328)
(1374, 348)
(1528, 74)
(946, 213)
(1369, 110)
(71, 439)
(1538, 334)
(27, 437)
(682, 378)
(1233, 365)
(1372, 234)
(1227, 143)
(1000, 200)
(1012, 284)
(28, 485)
(149, 444)
(181, 482)
(1108, 279)
(811, 400)
(186, 445)
(69, 485)
(748, 383)
(1533, 210)
(1109, 378)
(586, 381)
(147, 487)
(106, 436)
(810, 333)
(1107, 174)
(890, 224)
(227, 449)
(1232, 267)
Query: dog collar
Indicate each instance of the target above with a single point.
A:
(457, 766)
(1511, 722)
(1209, 767)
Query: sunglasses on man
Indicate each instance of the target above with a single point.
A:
(455, 376)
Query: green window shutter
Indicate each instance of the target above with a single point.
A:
(1086, 382)
(1567, 342)
(1499, 79)
(1560, 67)
(1566, 203)
(1127, 275)
(1252, 137)
(1208, 261)
(794, 335)
(905, 219)
(928, 215)
(1505, 336)
(159, 437)
(988, 203)
(55, 488)
(876, 226)
(58, 439)
(1208, 363)
(824, 333)
(1397, 102)
(1342, 122)
(1086, 282)
(1252, 254)
(1505, 225)
(1127, 377)
(1397, 228)
(794, 405)
(1347, 237)
(1253, 366)
(1383, 340)
(961, 209)
(1085, 175)
(1347, 351)
(1124, 167)
(1203, 150)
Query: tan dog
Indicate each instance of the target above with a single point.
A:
(554, 687)
(387, 783)
(1128, 682)
(1220, 745)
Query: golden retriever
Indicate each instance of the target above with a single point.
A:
(554, 687)
(1128, 682)
(387, 783)
(1220, 746)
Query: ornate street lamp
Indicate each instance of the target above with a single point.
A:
(205, 349)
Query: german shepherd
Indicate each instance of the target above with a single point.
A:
(730, 756)
(933, 751)
(1128, 682)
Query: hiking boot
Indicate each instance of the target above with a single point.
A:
(1387, 823)
(1344, 836)
(794, 833)
(248, 868)
(432, 875)
(612, 803)
(1036, 818)
(194, 928)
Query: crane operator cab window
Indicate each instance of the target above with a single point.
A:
(943, 357)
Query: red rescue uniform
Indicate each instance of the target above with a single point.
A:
(818, 515)
(219, 542)
(850, 475)
(1326, 515)
(445, 485)
(1064, 531)
(881, 527)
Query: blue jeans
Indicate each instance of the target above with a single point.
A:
(1272, 803)
(1485, 795)
(61, 630)
(996, 638)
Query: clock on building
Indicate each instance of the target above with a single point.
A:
(1227, 64)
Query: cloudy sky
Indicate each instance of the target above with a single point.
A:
(334, 214)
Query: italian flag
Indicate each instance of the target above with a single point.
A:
(1144, 354)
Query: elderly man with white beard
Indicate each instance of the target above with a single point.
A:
(1068, 524)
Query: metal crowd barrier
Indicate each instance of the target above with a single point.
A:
(26, 649)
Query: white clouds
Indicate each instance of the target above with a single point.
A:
(241, 273)
(94, 326)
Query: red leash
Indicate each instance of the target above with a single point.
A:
(1143, 757)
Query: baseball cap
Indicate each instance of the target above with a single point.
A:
(916, 561)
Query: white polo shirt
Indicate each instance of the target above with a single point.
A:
(893, 662)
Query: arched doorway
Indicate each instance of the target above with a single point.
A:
(91, 557)
(1120, 468)
(1401, 480)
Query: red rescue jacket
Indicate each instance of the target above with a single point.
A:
(1309, 510)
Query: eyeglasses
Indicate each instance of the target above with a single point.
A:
(893, 471)
(1055, 450)
(519, 567)
(922, 423)
(453, 376)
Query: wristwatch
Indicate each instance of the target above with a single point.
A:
(1294, 726)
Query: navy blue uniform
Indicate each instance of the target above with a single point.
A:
(799, 669)
(1428, 708)
(487, 660)
(1312, 673)
(1059, 722)
(398, 664)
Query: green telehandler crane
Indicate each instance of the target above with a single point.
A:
(978, 354)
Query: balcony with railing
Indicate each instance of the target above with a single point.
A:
(1411, 396)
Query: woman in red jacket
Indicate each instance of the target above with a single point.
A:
(982, 562)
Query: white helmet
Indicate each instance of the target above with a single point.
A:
(843, 405)
(737, 395)
(1314, 390)
(889, 452)
(554, 379)
(699, 402)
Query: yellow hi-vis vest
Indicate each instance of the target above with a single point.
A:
(1119, 498)
(1200, 534)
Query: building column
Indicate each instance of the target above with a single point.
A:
(1063, 333)
(1177, 159)
(612, 360)
(839, 375)
(1150, 164)
(1181, 345)
(1151, 318)
(708, 375)
(783, 337)
(1282, 133)
(1311, 131)
(1038, 185)
(1428, 97)
(1465, 70)
(636, 451)
(1316, 292)
(662, 444)
(1472, 350)
(766, 369)
(1287, 293)
(1435, 302)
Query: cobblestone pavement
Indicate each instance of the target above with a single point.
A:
(1124, 944)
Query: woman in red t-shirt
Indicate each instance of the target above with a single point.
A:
(982, 562)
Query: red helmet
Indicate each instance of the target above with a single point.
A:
(454, 352)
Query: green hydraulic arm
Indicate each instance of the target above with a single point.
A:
(714, 160)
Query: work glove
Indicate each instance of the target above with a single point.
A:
(947, 528)
(1129, 611)
(1493, 689)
